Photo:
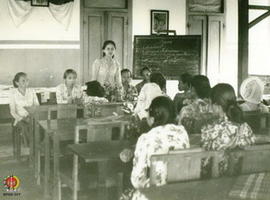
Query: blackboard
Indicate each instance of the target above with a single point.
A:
(170, 55)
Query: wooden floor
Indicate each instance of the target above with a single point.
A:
(28, 188)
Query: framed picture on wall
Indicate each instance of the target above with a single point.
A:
(159, 21)
(41, 3)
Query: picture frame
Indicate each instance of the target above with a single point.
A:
(40, 3)
(159, 21)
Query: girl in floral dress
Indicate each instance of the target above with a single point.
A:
(163, 136)
(229, 131)
(200, 112)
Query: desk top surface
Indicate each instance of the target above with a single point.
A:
(33, 109)
(214, 189)
(67, 124)
(99, 151)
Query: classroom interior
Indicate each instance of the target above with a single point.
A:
(45, 41)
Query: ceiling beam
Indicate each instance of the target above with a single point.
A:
(257, 7)
(259, 19)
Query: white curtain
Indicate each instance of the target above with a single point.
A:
(62, 13)
(21, 10)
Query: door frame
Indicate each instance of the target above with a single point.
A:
(83, 10)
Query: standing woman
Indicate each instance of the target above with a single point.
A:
(107, 70)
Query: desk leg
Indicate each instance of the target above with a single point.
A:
(56, 167)
(31, 142)
(102, 187)
(75, 177)
(47, 165)
(37, 152)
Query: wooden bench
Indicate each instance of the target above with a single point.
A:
(94, 131)
(184, 165)
(258, 121)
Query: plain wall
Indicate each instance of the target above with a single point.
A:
(229, 56)
(41, 46)
(259, 41)
(40, 25)
(45, 67)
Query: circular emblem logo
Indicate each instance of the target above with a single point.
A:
(11, 183)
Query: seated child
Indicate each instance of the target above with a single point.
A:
(163, 137)
(145, 73)
(155, 88)
(229, 131)
(182, 99)
(21, 96)
(69, 92)
(200, 111)
(251, 91)
(129, 91)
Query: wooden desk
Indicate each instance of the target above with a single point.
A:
(47, 112)
(95, 152)
(213, 189)
(56, 131)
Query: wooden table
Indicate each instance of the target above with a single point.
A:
(44, 112)
(95, 152)
(56, 131)
(213, 189)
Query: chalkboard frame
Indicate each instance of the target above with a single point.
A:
(138, 76)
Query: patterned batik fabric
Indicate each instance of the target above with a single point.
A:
(62, 95)
(130, 93)
(251, 187)
(183, 99)
(197, 114)
(107, 72)
(224, 135)
(158, 140)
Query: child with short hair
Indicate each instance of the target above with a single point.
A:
(156, 87)
(69, 91)
(186, 97)
(145, 73)
(129, 91)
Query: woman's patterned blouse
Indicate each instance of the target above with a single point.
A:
(158, 140)
(197, 114)
(224, 134)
